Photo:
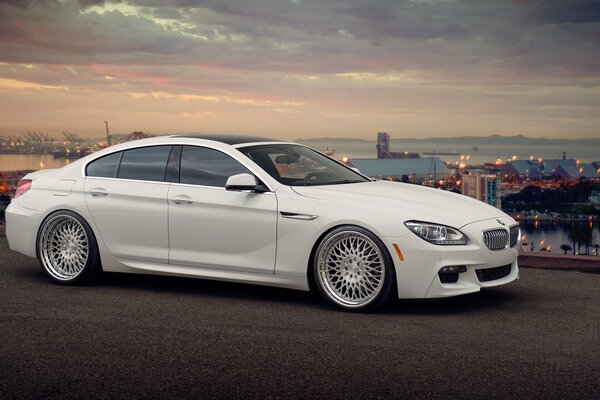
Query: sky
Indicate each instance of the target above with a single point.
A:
(301, 68)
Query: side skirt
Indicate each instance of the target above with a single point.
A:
(140, 267)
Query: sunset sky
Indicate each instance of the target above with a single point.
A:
(301, 68)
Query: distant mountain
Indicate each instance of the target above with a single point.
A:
(333, 139)
(468, 140)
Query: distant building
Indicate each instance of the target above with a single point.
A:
(383, 148)
(550, 167)
(576, 171)
(563, 169)
(523, 168)
(482, 187)
(395, 168)
(595, 198)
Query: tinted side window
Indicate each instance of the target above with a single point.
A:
(145, 164)
(105, 167)
(207, 167)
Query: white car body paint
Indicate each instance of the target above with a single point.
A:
(151, 227)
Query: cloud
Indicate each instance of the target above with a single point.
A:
(563, 12)
(330, 58)
(313, 37)
(16, 84)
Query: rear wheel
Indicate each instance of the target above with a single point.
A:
(67, 248)
(353, 269)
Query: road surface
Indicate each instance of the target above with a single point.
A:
(153, 337)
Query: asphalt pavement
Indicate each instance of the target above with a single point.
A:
(131, 336)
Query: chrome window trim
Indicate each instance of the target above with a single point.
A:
(234, 156)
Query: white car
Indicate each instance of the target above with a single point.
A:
(260, 211)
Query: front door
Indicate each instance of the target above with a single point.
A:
(211, 227)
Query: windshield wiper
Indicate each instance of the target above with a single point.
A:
(345, 181)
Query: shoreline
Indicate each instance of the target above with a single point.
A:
(554, 219)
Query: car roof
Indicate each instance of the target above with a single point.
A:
(227, 139)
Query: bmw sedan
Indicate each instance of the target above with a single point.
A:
(259, 211)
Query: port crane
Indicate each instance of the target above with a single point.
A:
(72, 137)
(36, 136)
(134, 136)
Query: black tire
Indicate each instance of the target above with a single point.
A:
(67, 249)
(356, 280)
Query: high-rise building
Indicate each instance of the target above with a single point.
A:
(482, 187)
(383, 148)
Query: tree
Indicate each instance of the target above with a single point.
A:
(565, 248)
(574, 237)
(586, 240)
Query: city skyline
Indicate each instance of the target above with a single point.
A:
(301, 69)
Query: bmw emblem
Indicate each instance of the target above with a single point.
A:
(500, 222)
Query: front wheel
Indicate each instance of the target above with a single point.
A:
(67, 249)
(353, 269)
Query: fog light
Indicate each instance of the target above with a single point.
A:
(453, 269)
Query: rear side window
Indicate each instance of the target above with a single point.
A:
(207, 167)
(104, 167)
(145, 164)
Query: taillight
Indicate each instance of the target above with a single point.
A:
(23, 186)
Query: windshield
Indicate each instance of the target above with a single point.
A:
(296, 165)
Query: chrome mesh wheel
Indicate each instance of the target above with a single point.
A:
(350, 269)
(64, 247)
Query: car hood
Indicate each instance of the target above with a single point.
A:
(410, 202)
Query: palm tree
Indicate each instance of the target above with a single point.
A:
(565, 248)
(586, 240)
(574, 237)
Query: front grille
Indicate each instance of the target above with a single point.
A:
(495, 239)
(491, 274)
(514, 235)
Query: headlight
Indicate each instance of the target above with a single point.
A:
(437, 234)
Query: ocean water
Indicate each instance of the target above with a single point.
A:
(20, 162)
(485, 153)
(365, 149)
(555, 234)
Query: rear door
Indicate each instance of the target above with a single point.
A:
(211, 227)
(126, 194)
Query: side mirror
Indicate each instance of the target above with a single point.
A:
(244, 182)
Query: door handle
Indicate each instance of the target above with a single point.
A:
(98, 192)
(182, 200)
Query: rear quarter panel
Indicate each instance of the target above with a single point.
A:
(51, 190)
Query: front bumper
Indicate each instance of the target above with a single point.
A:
(418, 273)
